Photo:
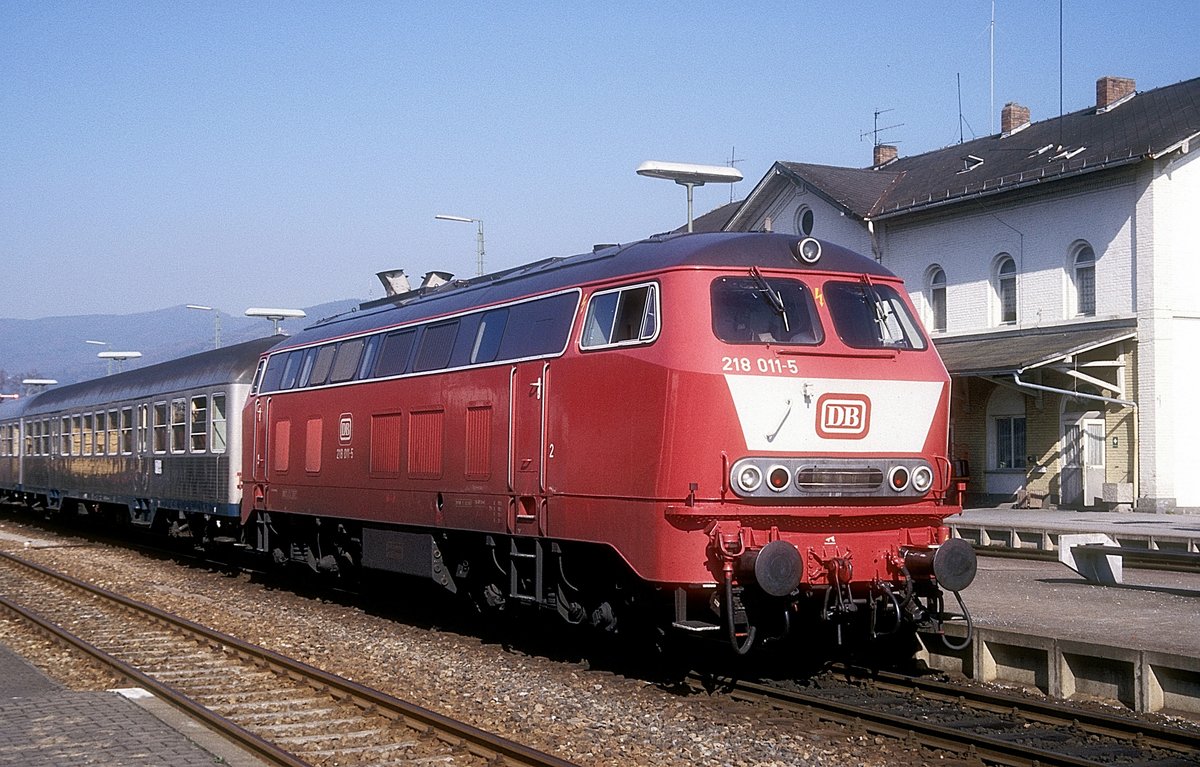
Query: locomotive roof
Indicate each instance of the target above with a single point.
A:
(712, 249)
(230, 364)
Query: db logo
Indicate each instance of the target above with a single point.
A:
(345, 428)
(843, 416)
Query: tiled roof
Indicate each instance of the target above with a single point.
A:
(1146, 125)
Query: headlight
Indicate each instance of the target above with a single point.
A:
(749, 478)
(922, 479)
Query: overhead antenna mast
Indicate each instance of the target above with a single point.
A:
(958, 80)
(992, 72)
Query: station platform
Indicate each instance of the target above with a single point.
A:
(44, 725)
(1041, 625)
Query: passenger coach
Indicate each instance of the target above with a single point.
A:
(158, 446)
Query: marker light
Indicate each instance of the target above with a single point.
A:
(922, 479)
(778, 478)
(749, 478)
(898, 478)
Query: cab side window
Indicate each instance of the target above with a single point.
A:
(621, 317)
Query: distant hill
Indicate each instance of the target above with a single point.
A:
(55, 347)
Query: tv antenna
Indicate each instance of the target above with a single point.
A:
(874, 132)
(732, 162)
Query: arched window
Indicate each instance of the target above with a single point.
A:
(937, 298)
(804, 220)
(1083, 275)
(1006, 289)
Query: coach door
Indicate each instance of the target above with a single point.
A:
(528, 393)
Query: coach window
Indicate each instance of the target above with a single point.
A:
(64, 436)
(345, 363)
(114, 432)
(143, 428)
(220, 425)
(87, 434)
(76, 435)
(622, 316)
(394, 352)
(178, 425)
(319, 374)
(199, 421)
(126, 430)
(160, 427)
(101, 433)
(437, 342)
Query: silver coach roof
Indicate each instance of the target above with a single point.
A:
(229, 365)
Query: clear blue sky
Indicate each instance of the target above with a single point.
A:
(280, 153)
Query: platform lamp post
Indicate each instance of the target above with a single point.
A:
(35, 385)
(478, 235)
(275, 315)
(689, 176)
(216, 322)
(119, 357)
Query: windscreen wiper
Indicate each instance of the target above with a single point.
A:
(773, 297)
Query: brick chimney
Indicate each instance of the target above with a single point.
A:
(1110, 90)
(884, 153)
(1013, 117)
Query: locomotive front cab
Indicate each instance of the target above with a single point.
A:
(836, 479)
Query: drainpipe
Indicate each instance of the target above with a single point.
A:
(874, 242)
(1123, 402)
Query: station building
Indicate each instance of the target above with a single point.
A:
(1057, 268)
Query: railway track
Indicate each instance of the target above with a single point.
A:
(283, 710)
(984, 726)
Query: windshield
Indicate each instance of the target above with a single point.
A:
(755, 310)
(871, 316)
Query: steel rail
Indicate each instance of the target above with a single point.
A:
(243, 737)
(478, 742)
(994, 751)
(1116, 726)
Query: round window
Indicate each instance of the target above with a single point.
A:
(804, 220)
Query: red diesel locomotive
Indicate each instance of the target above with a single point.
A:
(730, 434)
